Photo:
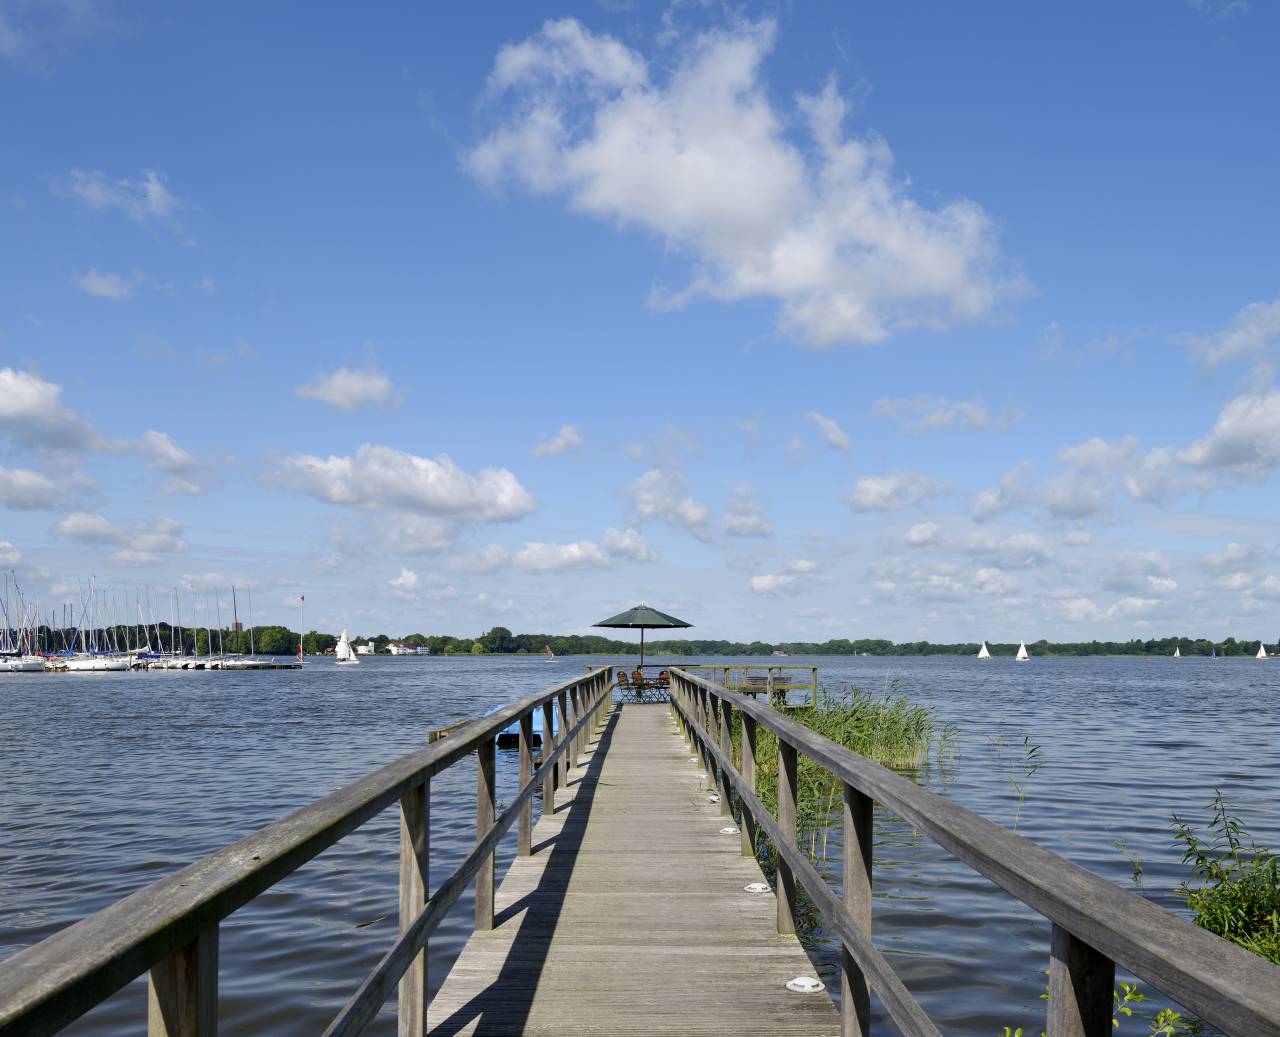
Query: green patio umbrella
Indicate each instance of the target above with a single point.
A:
(643, 618)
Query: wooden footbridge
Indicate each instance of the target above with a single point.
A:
(626, 910)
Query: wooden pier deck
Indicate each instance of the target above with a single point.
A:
(630, 917)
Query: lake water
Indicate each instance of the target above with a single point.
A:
(108, 782)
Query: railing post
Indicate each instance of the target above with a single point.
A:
(747, 823)
(415, 842)
(485, 812)
(787, 822)
(524, 833)
(182, 990)
(856, 1013)
(726, 747)
(548, 747)
(562, 768)
(1081, 988)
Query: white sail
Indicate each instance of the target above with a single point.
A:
(1262, 652)
(1177, 652)
(984, 652)
(343, 653)
(1022, 656)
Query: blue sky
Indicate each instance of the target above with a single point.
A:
(800, 321)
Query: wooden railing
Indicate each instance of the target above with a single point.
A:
(171, 927)
(1096, 925)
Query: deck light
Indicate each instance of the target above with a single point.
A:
(806, 985)
(729, 830)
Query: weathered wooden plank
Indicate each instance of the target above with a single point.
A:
(1233, 990)
(1081, 985)
(182, 990)
(856, 878)
(631, 917)
(486, 811)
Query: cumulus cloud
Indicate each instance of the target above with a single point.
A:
(33, 31)
(931, 413)
(484, 560)
(1013, 492)
(381, 477)
(33, 414)
(1138, 572)
(1078, 538)
(744, 515)
(1250, 332)
(1234, 556)
(893, 492)
(664, 495)
(771, 583)
(922, 534)
(405, 585)
(161, 453)
(990, 580)
(1244, 441)
(1015, 551)
(144, 200)
(700, 156)
(104, 286)
(627, 543)
(832, 433)
(537, 557)
(566, 439)
(9, 555)
(141, 543)
(25, 490)
(349, 390)
(408, 533)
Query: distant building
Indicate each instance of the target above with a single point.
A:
(364, 649)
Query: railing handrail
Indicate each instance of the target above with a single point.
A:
(1226, 986)
(52, 983)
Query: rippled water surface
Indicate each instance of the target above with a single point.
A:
(110, 781)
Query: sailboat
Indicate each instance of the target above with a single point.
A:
(1262, 653)
(1022, 656)
(984, 652)
(1177, 651)
(1213, 652)
(551, 656)
(343, 655)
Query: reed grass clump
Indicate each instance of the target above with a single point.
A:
(1238, 896)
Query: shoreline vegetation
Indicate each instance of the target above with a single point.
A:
(280, 640)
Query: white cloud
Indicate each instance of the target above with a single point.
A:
(349, 390)
(989, 580)
(32, 412)
(145, 200)
(1233, 556)
(25, 490)
(744, 515)
(1251, 332)
(162, 453)
(1078, 538)
(893, 491)
(1244, 441)
(140, 542)
(922, 534)
(412, 534)
(664, 495)
(9, 555)
(381, 477)
(566, 439)
(104, 286)
(930, 413)
(1012, 493)
(405, 585)
(771, 583)
(536, 557)
(701, 158)
(831, 431)
(484, 560)
(32, 31)
(802, 565)
(627, 543)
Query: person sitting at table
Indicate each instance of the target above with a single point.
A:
(637, 678)
(624, 681)
(664, 679)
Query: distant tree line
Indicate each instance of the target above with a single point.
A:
(279, 640)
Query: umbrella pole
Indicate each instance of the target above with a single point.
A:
(642, 646)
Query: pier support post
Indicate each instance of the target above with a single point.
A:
(1081, 988)
(548, 747)
(182, 990)
(726, 747)
(787, 822)
(562, 768)
(747, 824)
(524, 832)
(485, 813)
(415, 842)
(855, 1018)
